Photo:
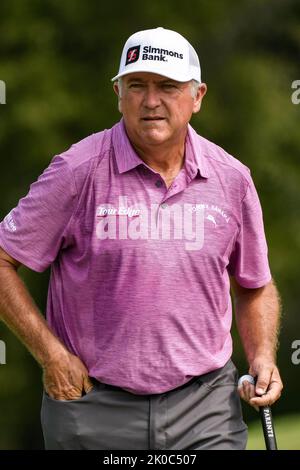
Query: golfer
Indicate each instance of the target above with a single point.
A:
(146, 227)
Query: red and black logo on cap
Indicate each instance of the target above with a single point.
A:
(132, 55)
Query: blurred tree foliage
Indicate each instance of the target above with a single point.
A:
(57, 59)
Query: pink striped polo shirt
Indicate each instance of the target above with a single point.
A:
(139, 286)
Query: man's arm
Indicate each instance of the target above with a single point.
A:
(257, 314)
(65, 376)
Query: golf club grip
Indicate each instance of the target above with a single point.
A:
(268, 427)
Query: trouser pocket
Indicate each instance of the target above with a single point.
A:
(59, 420)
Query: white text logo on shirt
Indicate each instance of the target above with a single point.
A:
(211, 207)
(10, 223)
(159, 221)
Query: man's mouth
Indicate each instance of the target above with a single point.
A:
(153, 118)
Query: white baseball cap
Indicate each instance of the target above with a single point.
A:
(160, 51)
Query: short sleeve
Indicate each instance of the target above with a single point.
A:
(33, 231)
(249, 258)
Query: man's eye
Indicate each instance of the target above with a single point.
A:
(135, 85)
(169, 86)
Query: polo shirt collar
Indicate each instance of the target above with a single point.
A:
(127, 158)
(195, 159)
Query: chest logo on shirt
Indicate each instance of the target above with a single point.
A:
(158, 222)
(211, 208)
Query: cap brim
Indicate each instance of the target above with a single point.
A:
(172, 77)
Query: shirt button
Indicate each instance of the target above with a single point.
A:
(164, 205)
(158, 183)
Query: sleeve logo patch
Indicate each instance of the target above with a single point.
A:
(10, 223)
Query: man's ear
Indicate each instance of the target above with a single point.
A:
(116, 88)
(199, 97)
(117, 92)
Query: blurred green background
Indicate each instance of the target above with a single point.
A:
(57, 59)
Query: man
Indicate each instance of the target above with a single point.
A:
(143, 226)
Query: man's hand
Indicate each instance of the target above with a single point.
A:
(65, 377)
(268, 384)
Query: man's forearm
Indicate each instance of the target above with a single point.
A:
(20, 313)
(258, 320)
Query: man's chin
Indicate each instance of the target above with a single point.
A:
(154, 137)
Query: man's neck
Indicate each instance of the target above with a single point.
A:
(163, 160)
(166, 158)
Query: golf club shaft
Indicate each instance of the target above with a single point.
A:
(268, 428)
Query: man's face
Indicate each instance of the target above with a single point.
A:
(156, 109)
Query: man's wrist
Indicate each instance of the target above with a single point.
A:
(56, 353)
(265, 356)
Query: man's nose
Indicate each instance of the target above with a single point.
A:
(151, 98)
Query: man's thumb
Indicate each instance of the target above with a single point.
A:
(87, 384)
(262, 383)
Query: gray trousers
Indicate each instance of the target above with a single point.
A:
(204, 413)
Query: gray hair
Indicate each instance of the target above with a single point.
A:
(194, 88)
(120, 84)
(193, 84)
